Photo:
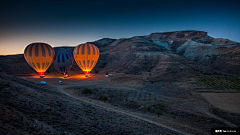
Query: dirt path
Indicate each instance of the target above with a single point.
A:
(149, 119)
(220, 119)
(52, 82)
(102, 81)
(97, 118)
(120, 111)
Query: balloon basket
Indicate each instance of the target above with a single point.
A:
(88, 75)
(42, 76)
(65, 75)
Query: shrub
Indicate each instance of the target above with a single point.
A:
(145, 109)
(106, 72)
(104, 63)
(219, 81)
(103, 98)
(158, 112)
(86, 91)
(150, 80)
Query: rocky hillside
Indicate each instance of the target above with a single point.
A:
(219, 54)
(171, 52)
(169, 55)
(138, 55)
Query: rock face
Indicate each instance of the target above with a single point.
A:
(138, 54)
(164, 55)
(180, 52)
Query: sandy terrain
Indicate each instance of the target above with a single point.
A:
(30, 108)
(183, 112)
(225, 101)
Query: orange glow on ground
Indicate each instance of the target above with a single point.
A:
(46, 76)
(53, 79)
(77, 76)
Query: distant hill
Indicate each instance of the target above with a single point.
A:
(169, 55)
(63, 49)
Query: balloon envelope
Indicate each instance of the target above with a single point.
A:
(39, 56)
(63, 62)
(86, 56)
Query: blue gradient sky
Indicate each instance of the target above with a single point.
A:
(64, 23)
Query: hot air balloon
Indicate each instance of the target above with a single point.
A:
(86, 56)
(63, 62)
(39, 56)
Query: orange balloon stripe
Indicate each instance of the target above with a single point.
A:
(81, 57)
(91, 57)
(44, 59)
(85, 57)
(36, 59)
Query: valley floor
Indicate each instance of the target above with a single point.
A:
(31, 108)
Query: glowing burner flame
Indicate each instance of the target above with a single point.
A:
(86, 72)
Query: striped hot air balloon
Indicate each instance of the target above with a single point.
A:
(86, 56)
(39, 56)
(63, 62)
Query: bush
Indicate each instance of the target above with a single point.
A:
(145, 109)
(103, 98)
(104, 63)
(158, 112)
(150, 80)
(219, 81)
(106, 72)
(86, 91)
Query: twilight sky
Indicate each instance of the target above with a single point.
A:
(69, 23)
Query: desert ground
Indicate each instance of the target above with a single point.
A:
(182, 82)
(225, 101)
(129, 107)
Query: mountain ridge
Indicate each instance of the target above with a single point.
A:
(167, 55)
